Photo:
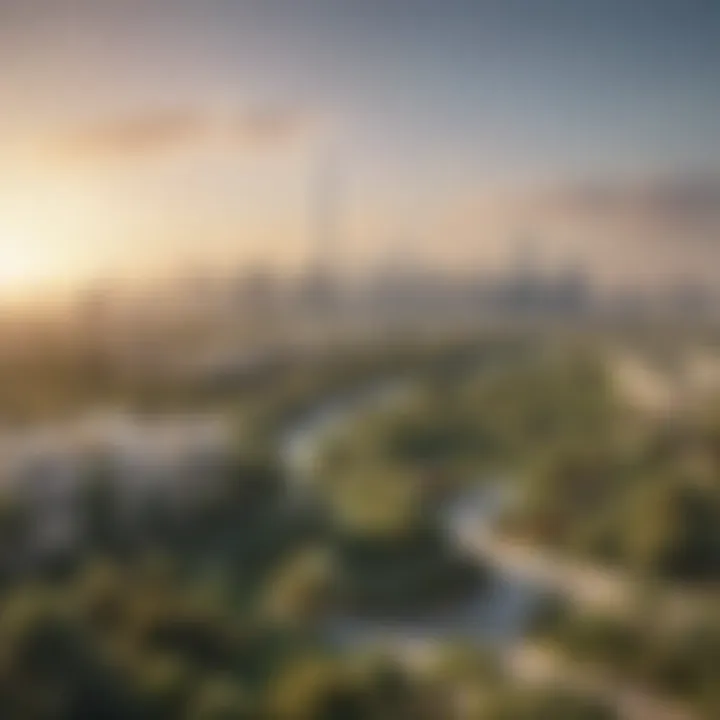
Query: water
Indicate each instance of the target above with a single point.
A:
(171, 453)
(497, 613)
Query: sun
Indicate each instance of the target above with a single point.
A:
(42, 215)
(23, 267)
(16, 263)
(33, 245)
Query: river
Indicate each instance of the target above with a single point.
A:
(170, 453)
(497, 613)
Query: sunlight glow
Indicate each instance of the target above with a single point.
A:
(38, 222)
(21, 267)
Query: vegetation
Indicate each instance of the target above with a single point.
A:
(679, 663)
(210, 601)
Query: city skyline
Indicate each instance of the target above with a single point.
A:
(139, 137)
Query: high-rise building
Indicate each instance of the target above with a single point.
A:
(319, 286)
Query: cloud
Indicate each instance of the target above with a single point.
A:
(272, 127)
(622, 228)
(151, 134)
(680, 206)
(136, 136)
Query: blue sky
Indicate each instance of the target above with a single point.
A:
(430, 104)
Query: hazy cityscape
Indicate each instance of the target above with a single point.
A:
(359, 360)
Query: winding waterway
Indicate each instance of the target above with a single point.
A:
(172, 452)
(497, 613)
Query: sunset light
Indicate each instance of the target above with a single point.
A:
(359, 360)
(23, 268)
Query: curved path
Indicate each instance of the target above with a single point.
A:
(499, 614)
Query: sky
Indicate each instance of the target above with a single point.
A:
(142, 134)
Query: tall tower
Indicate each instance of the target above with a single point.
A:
(526, 258)
(324, 214)
(322, 266)
(525, 282)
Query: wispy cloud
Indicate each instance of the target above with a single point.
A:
(133, 136)
(660, 224)
(150, 134)
(683, 205)
(273, 126)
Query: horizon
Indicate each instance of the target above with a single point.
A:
(141, 137)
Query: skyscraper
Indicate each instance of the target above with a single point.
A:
(320, 291)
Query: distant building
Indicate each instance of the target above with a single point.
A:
(318, 289)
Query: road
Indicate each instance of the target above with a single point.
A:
(522, 573)
(585, 585)
(532, 664)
